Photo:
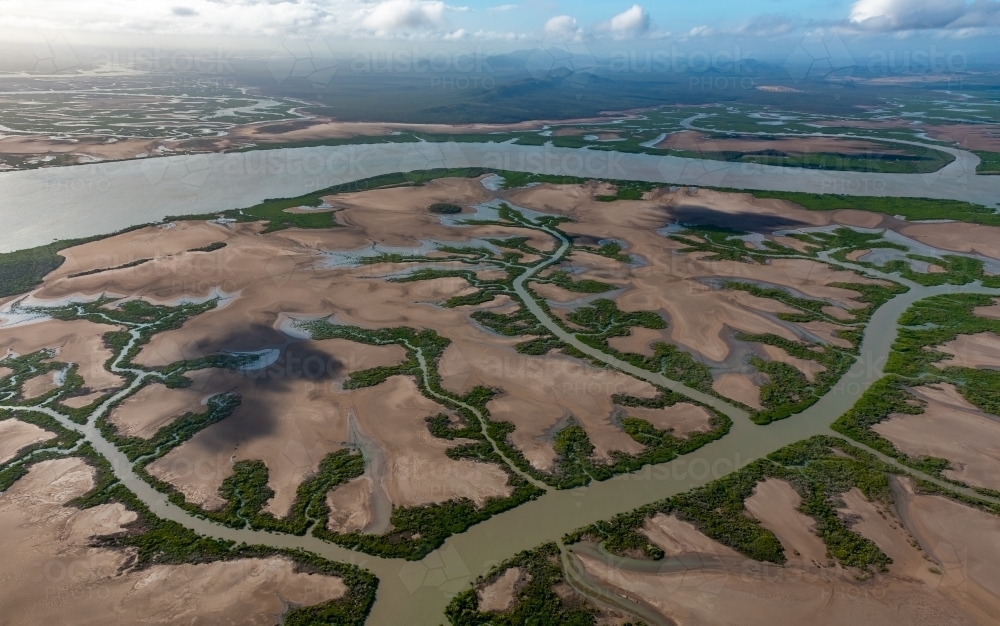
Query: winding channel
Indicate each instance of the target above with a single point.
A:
(412, 593)
(102, 198)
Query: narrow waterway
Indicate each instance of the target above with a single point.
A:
(417, 593)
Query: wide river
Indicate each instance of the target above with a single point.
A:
(39, 206)
(58, 203)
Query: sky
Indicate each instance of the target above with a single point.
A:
(600, 25)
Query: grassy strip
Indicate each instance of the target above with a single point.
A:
(717, 509)
(989, 162)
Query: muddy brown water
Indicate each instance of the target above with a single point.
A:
(416, 593)
(102, 198)
(84, 200)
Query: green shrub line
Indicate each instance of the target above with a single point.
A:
(610, 250)
(416, 530)
(932, 322)
(28, 366)
(444, 208)
(156, 541)
(717, 509)
(212, 247)
(886, 397)
(561, 278)
(958, 270)
(989, 162)
(64, 439)
(912, 362)
(536, 603)
(101, 270)
(173, 434)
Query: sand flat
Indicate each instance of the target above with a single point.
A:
(963, 542)
(957, 237)
(809, 368)
(974, 351)
(41, 532)
(39, 385)
(350, 505)
(992, 312)
(155, 406)
(700, 316)
(681, 418)
(745, 597)
(672, 283)
(76, 341)
(739, 387)
(775, 504)
(675, 536)
(78, 402)
(555, 293)
(876, 522)
(638, 341)
(292, 425)
(952, 429)
(15, 434)
(144, 243)
(827, 333)
(542, 393)
(498, 596)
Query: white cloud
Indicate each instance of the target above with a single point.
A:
(630, 23)
(455, 36)
(503, 8)
(767, 25)
(909, 15)
(562, 26)
(193, 17)
(426, 19)
(405, 14)
(700, 31)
